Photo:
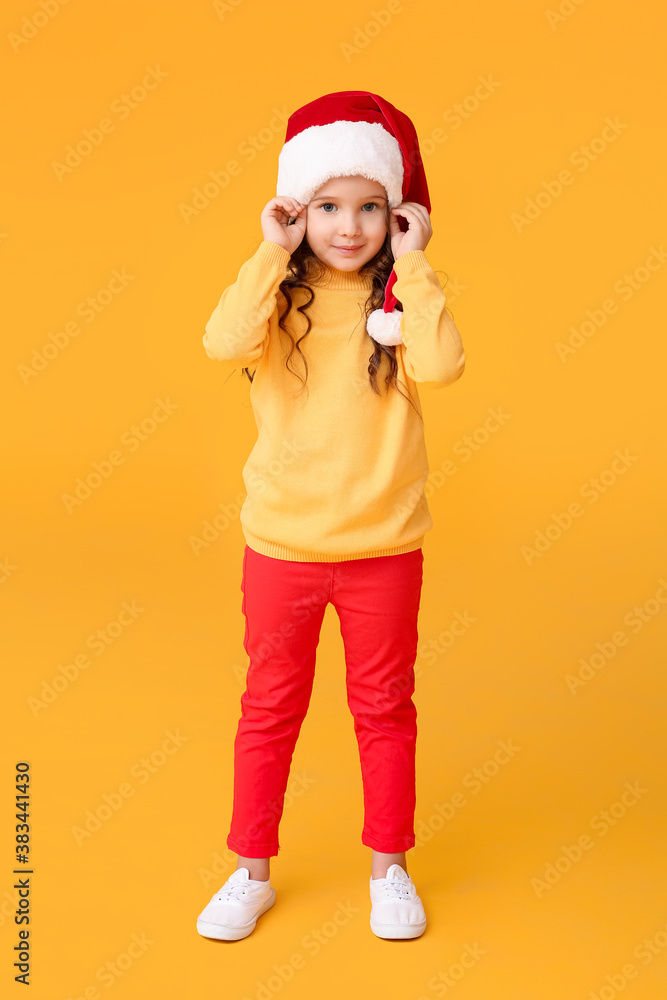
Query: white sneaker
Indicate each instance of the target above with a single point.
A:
(233, 911)
(397, 910)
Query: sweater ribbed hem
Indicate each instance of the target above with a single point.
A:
(413, 260)
(276, 551)
(273, 253)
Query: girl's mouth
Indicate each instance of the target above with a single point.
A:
(347, 250)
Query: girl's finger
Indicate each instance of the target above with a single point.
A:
(410, 206)
(406, 209)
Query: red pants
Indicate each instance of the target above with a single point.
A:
(377, 602)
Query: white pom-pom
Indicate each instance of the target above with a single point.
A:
(385, 327)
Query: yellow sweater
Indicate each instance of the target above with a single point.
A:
(337, 472)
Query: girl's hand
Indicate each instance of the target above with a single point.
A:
(419, 228)
(275, 222)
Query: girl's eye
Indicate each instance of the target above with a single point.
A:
(331, 205)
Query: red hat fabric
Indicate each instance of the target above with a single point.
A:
(354, 132)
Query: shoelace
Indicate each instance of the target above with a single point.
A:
(396, 890)
(232, 892)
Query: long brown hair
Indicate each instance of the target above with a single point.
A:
(304, 263)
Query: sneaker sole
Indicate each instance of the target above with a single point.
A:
(398, 931)
(222, 932)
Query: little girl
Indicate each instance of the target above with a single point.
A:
(335, 510)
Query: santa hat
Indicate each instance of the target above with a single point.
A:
(348, 133)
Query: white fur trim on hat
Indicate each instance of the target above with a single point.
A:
(340, 149)
(385, 327)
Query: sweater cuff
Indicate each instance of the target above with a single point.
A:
(273, 253)
(413, 260)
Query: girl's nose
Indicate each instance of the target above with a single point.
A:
(349, 225)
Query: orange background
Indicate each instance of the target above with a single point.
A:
(499, 874)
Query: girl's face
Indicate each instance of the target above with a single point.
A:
(347, 212)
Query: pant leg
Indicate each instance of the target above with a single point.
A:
(284, 604)
(377, 602)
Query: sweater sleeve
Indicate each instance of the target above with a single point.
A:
(238, 330)
(432, 347)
